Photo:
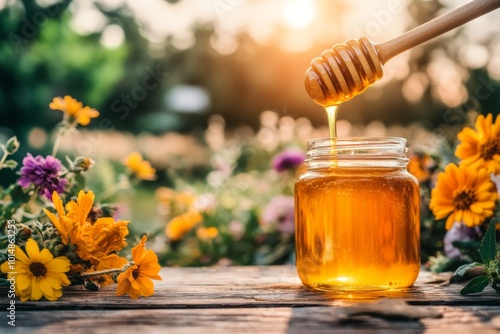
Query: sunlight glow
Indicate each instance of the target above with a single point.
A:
(299, 13)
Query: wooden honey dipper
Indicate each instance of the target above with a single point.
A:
(347, 69)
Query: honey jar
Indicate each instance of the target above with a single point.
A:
(357, 216)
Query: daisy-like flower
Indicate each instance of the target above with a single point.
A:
(139, 167)
(136, 280)
(182, 224)
(43, 173)
(38, 273)
(74, 110)
(480, 147)
(463, 195)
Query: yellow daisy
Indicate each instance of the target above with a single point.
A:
(139, 167)
(136, 280)
(38, 273)
(481, 147)
(463, 195)
(74, 110)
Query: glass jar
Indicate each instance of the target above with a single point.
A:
(357, 216)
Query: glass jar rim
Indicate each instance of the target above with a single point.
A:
(357, 151)
(329, 141)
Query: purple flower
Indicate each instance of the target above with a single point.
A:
(43, 173)
(289, 159)
(280, 213)
(459, 232)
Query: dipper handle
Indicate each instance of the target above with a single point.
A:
(435, 27)
(347, 69)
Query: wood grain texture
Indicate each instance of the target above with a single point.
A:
(255, 320)
(266, 286)
(257, 300)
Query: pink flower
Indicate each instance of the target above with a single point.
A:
(280, 213)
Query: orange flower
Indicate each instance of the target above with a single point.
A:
(481, 147)
(136, 280)
(170, 197)
(101, 238)
(463, 195)
(74, 110)
(94, 240)
(207, 233)
(68, 226)
(418, 166)
(182, 224)
(139, 167)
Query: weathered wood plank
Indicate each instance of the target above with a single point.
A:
(351, 319)
(246, 287)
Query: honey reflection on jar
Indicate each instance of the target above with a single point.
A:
(357, 216)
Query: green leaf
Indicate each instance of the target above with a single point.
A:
(475, 285)
(488, 248)
(11, 164)
(80, 181)
(462, 270)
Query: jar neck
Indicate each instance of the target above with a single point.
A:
(367, 152)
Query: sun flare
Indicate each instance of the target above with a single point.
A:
(299, 13)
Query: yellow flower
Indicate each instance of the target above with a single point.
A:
(74, 110)
(207, 233)
(136, 280)
(481, 147)
(139, 167)
(182, 224)
(38, 273)
(464, 195)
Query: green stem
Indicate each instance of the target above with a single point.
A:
(4, 157)
(57, 142)
(110, 191)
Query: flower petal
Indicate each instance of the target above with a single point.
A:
(32, 250)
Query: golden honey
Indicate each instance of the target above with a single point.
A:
(343, 72)
(357, 216)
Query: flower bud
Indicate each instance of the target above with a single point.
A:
(12, 145)
(24, 233)
(83, 163)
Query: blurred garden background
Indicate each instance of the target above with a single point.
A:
(211, 93)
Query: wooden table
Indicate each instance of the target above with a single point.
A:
(257, 300)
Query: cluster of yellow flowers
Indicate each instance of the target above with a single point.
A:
(465, 193)
(96, 243)
(88, 242)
